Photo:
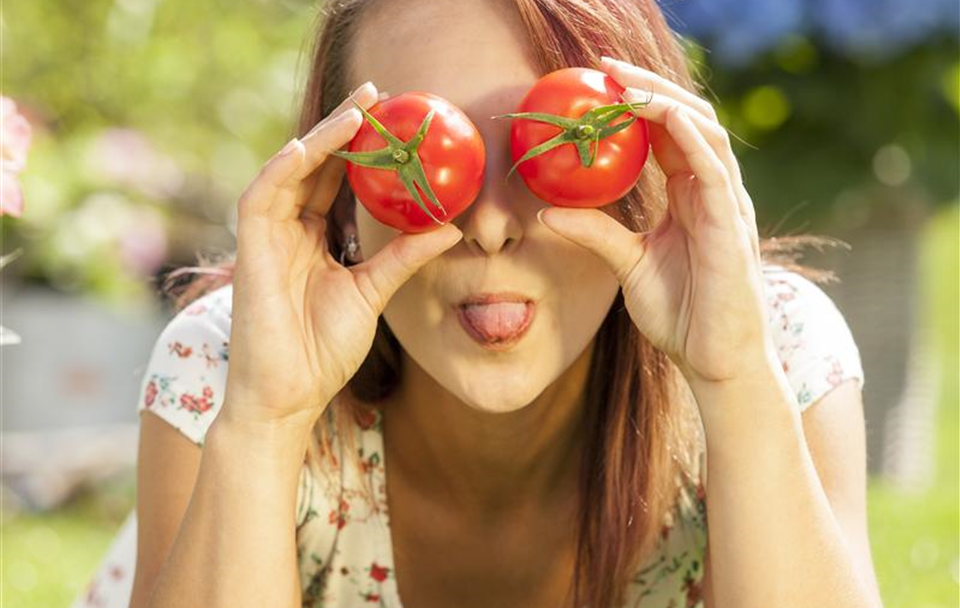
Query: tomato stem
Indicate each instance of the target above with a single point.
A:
(399, 156)
(590, 128)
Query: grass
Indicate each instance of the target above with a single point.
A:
(48, 558)
(915, 538)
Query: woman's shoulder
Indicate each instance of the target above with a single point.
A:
(814, 342)
(185, 376)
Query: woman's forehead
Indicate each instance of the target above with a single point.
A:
(463, 51)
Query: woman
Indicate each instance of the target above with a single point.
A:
(567, 469)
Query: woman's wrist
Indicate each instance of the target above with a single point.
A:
(283, 440)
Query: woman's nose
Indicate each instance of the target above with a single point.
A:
(492, 224)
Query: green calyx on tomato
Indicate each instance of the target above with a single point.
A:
(399, 156)
(584, 132)
(576, 142)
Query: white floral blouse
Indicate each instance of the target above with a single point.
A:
(343, 537)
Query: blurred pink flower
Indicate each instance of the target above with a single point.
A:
(143, 243)
(127, 157)
(15, 135)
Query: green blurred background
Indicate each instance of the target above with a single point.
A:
(150, 116)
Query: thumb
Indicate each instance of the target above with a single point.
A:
(593, 229)
(383, 274)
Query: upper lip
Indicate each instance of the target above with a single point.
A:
(492, 298)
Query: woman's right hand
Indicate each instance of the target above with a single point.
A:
(302, 323)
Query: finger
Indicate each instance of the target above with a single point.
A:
(749, 218)
(365, 96)
(704, 117)
(316, 200)
(258, 196)
(601, 234)
(361, 95)
(272, 193)
(719, 201)
(276, 174)
(322, 188)
(329, 134)
(715, 134)
(383, 274)
(656, 109)
(702, 112)
(680, 194)
(629, 75)
(286, 197)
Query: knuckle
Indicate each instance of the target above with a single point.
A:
(723, 136)
(723, 176)
(245, 202)
(710, 112)
(738, 177)
(367, 286)
(672, 111)
(630, 263)
(405, 258)
(264, 169)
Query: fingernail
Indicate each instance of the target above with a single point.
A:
(634, 93)
(357, 90)
(540, 218)
(290, 147)
(383, 95)
(607, 59)
(344, 116)
(348, 115)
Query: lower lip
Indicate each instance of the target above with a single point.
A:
(501, 343)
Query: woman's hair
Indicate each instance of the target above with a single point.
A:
(643, 431)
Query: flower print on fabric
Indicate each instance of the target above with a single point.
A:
(186, 376)
(814, 342)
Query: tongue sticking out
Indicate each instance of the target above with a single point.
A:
(498, 321)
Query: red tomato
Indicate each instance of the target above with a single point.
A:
(412, 174)
(565, 175)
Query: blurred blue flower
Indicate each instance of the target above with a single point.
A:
(881, 28)
(735, 31)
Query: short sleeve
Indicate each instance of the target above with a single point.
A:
(814, 342)
(186, 375)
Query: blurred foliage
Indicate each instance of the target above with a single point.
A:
(50, 557)
(165, 105)
(916, 538)
(841, 144)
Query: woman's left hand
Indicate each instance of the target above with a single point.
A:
(692, 285)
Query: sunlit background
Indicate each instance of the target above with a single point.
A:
(143, 120)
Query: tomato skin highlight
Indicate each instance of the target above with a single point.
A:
(557, 176)
(452, 154)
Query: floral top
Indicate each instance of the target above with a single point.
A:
(343, 537)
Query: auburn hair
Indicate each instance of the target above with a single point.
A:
(642, 431)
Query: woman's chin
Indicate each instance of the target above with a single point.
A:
(497, 392)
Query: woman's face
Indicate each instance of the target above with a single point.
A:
(473, 54)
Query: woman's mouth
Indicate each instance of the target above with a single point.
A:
(496, 321)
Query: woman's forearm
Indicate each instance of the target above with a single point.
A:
(773, 538)
(237, 542)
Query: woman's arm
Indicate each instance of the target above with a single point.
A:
(694, 287)
(237, 544)
(774, 537)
